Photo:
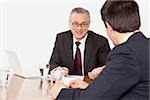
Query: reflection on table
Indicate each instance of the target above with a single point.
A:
(26, 89)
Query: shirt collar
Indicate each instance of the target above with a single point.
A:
(82, 40)
(127, 36)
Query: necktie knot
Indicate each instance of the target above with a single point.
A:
(77, 43)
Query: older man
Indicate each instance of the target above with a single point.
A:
(79, 51)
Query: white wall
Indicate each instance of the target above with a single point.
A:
(29, 27)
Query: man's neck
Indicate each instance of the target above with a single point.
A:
(120, 38)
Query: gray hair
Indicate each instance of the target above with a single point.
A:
(80, 10)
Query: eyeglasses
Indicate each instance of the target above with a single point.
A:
(83, 25)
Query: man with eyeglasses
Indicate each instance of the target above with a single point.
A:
(93, 47)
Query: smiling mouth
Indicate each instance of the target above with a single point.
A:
(79, 32)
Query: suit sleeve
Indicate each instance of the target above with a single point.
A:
(119, 76)
(55, 57)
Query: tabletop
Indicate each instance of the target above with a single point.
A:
(21, 88)
(26, 89)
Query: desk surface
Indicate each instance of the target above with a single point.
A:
(26, 89)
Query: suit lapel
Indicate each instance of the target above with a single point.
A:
(88, 50)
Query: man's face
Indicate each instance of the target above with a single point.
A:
(79, 24)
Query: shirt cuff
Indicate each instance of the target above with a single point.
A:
(58, 91)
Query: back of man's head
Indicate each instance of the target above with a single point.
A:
(122, 15)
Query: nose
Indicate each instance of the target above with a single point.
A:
(79, 27)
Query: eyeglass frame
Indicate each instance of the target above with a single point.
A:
(82, 25)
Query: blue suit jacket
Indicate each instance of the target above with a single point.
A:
(96, 51)
(126, 76)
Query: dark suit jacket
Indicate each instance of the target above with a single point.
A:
(95, 54)
(126, 76)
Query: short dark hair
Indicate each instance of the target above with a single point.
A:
(123, 16)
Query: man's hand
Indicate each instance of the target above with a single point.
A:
(65, 70)
(95, 72)
(79, 84)
(54, 91)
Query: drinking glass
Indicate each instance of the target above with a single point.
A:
(44, 69)
(4, 77)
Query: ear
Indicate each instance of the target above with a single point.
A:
(109, 28)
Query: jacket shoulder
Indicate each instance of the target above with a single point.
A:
(64, 33)
(63, 36)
